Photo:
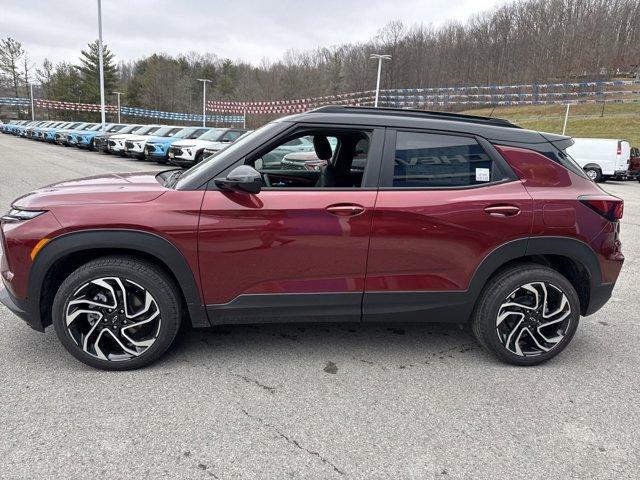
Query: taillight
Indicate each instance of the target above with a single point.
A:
(608, 206)
(619, 147)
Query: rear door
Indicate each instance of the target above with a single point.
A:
(445, 202)
(624, 155)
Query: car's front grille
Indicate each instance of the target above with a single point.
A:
(150, 148)
(128, 144)
(112, 143)
(176, 151)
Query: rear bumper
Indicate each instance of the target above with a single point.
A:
(599, 296)
(20, 308)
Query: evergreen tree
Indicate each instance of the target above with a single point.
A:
(89, 71)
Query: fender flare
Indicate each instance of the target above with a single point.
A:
(134, 240)
(572, 248)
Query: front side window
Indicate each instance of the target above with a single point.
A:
(425, 160)
(323, 158)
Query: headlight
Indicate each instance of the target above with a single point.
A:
(16, 215)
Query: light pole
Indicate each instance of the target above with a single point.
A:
(33, 113)
(380, 58)
(118, 94)
(204, 99)
(102, 109)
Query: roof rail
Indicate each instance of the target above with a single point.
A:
(457, 117)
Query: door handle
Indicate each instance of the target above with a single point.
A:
(502, 210)
(345, 209)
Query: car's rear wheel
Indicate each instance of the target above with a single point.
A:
(117, 313)
(526, 314)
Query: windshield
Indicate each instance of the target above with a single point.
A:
(145, 130)
(115, 128)
(165, 131)
(184, 133)
(213, 135)
(98, 126)
(130, 129)
(225, 153)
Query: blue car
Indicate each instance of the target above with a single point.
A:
(49, 134)
(157, 148)
(8, 128)
(21, 130)
(85, 139)
(37, 133)
(71, 136)
(61, 136)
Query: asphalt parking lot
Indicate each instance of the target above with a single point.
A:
(319, 401)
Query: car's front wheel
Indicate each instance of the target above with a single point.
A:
(526, 314)
(117, 313)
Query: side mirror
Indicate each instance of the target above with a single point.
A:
(241, 179)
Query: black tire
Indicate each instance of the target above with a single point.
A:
(161, 160)
(594, 173)
(199, 157)
(151, 278)
(496, 293)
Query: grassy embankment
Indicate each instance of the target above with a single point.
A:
(620, 121)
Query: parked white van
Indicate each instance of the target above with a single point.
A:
(601, 158)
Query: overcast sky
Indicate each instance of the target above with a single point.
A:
(243, 29)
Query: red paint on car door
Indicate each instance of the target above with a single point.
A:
(284, 241)
(433, 240)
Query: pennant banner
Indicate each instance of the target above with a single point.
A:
(19, 102)
(465, 95)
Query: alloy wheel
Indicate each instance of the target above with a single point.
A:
(592, 174)
(113, 318)
(533, 319)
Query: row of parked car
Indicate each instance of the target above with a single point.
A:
(177, 145)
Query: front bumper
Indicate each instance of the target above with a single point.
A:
(157, 152)
(181, 156)
(115, 146)
(20, 308)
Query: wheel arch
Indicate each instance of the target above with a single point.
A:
(570, 257)
(592, 165)
(65, 253)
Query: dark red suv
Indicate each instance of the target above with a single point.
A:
(443, 218)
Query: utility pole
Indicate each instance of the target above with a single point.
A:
(118, 94)
(102, 109)
(380, 58)
(204, 99)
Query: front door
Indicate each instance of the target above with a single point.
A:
(296, 251)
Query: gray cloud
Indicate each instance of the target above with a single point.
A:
(249, 30)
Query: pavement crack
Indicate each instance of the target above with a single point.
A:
(255, 382)
(293, 441)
